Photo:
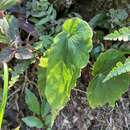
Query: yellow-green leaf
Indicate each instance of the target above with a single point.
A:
(68, 54)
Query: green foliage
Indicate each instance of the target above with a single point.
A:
(13, 27)
(41, 13)
(42, 75)
(5, 94)
(8, 29)
(63, 58)
(6, 4)
(125, 47)
(32, 121)
(106, 61)
(99, 92)
(109, 19)
(6, 55)
(45, 109)
(34, 106)
(32, 102)
(68, 54)
(43, 44)
(117, 17)
(122, 34)
(119, 69)
(19, 69)
(41, 116)
(98, 19)
(21, 53)
(4, 29)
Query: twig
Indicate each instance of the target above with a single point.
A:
(79, 90)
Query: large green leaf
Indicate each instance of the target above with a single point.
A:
(106, 61)
(6, 4)
(68, 54)
(100, 93)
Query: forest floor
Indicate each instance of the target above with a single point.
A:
(77, 115)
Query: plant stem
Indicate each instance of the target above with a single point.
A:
(5, 93)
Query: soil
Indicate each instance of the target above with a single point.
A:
(77, 115)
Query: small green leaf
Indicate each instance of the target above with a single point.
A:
(32, 102)
(4, 29)
(13, 31)
(32, 121)
(9, 28)
(48, 120)
(45, 109)
(96, 20)
(6, 55)
(23, 53)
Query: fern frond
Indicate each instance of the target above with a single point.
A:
(118, 70)
(5, 4)
(122, 34)
(41, 13)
